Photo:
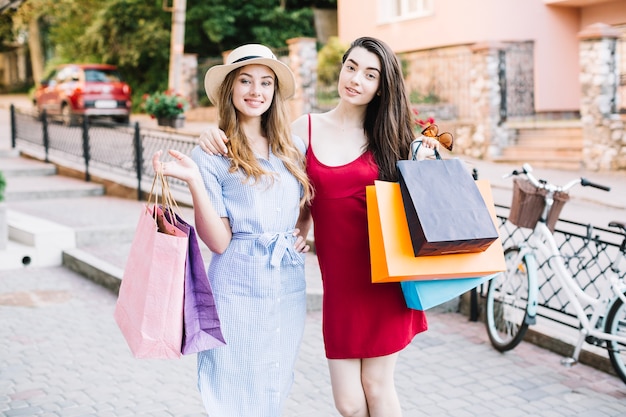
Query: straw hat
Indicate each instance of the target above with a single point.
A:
(247, 55)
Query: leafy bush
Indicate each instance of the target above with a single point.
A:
(329, 61)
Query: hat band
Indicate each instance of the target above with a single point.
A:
(245, 58)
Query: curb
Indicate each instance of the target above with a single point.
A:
(110, 276)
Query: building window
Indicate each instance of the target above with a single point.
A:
(404, 9)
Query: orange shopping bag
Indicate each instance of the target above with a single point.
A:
(391, 250)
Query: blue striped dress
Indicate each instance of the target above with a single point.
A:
(259, 289)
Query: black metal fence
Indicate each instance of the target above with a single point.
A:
(589, 253)
(127, 150)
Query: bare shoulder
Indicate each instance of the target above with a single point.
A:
(300, 126)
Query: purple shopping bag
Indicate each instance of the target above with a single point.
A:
(201, 323)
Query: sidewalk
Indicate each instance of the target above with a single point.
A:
(63, 355)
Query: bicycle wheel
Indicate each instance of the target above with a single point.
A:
(507, 302)
(616, 325)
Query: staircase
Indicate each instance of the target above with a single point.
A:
(545, 144)
(48, 214)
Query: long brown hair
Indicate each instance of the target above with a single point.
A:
(276, 127)
(388, 120)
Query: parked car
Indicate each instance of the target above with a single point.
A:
(92, 90)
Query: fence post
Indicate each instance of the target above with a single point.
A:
(13, 128)
(46, 138)
(86, 149)
(138, 159)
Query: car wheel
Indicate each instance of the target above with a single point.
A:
(68, 118)
(122, 120)
(37, 112)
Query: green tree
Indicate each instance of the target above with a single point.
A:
(135, 34)
(7, 35)
(226, 24)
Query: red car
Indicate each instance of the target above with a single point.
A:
(92, 90)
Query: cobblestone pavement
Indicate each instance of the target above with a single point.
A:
(61, 354)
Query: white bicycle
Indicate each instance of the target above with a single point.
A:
(511, 302)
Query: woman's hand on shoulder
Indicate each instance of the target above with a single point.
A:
(212, 141)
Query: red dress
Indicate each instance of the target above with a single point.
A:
(360, 319)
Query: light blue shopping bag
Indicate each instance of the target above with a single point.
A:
(422, 295)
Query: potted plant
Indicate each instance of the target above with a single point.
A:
(167, 107)
(4, 225)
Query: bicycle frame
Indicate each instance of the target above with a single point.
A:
(542, 241)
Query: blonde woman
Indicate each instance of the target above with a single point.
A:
(246, 206)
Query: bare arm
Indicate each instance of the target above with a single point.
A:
(300, 128)
(213, 230)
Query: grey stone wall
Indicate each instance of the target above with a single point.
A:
(604, 135)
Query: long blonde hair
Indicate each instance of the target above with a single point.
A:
(275, 126)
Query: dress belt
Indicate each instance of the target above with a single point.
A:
(280, 245)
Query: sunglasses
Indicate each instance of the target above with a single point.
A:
(446, 140)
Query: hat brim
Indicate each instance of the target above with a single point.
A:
(215, 76)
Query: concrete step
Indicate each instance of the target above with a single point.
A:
(543, 161)
(20, 188)
(8, 153)
(15, 166)
(545, 145)
(35, 241)
(95, 219)
(537, 153)
(563, 142)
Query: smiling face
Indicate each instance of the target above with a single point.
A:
(253, 90)
(359, 79)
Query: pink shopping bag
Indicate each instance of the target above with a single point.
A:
(149, 309)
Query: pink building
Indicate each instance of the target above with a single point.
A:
(502, 63)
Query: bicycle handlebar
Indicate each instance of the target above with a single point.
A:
(527, 171)
(586, 183)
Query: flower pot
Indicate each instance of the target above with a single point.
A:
(176, 121)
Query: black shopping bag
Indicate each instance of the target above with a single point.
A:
(445, 211)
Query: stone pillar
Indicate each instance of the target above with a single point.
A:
(303, 63)
(189, 78)
(604, 138)
(485, 100)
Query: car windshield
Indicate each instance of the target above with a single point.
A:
(102, 75)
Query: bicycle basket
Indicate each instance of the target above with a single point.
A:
(528, 203)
